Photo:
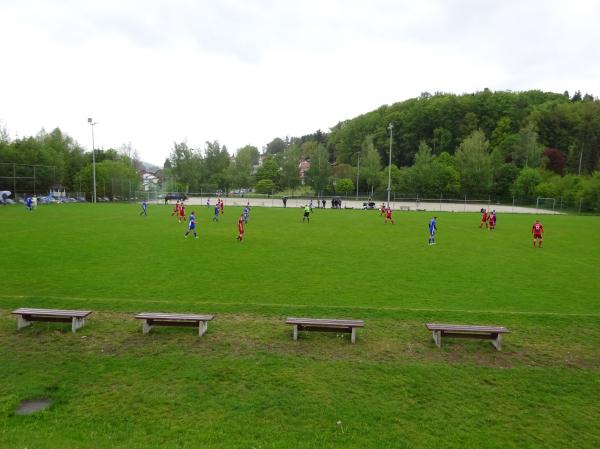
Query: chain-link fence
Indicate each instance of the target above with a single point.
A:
(19, 182)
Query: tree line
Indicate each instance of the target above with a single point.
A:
(499, 144)
(486, 144)
(46, 161)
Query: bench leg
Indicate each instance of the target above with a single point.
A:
(295, 333)
(145, 327)
(353, 336)
(202, 327)
(498, 342)
(77, 323)
(437, 338)
(22, 322)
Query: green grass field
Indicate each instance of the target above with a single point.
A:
(246, 384)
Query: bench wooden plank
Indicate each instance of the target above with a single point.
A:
(52, 312)
(150, 319)
(173, 316)
(466, 328)
(25, 316)
(326, 322)
(324, 325)
(493, 333)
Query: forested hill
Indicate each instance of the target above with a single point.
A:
(443, 121)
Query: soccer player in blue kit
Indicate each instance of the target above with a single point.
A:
(216, 217)
(191, 225)
(432, 229)
(246, 214)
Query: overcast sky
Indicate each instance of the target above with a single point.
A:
(245, 71)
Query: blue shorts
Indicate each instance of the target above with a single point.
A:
(192, 226)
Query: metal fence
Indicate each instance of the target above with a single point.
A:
(398, 200)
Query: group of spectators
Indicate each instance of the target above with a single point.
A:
(336, 203)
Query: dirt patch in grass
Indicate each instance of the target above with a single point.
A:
(31, 406)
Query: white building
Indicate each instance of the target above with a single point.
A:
(149, 180)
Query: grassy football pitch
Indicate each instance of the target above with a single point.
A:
(246, 384)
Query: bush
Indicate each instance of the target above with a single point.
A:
(264, 186)
(526, 183)
(344, 185)
(591, 193)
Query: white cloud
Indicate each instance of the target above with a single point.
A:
(247, 71)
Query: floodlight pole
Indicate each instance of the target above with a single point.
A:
(389, 188)
(92, 123)
(357, 173)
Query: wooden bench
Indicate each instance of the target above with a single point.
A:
(76, 317)
(174, 319)
(493, 333)
(325, 325)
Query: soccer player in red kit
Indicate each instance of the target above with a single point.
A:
(240, 237)
(382, 210)
(181, 212)
(222, 207)
(537, 230)
(176, 210)
(388, 216)
(492, 220)
(484, 218)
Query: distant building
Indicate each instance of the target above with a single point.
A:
(303, 167)
(150, 181)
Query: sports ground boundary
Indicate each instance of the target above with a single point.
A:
(421, 206)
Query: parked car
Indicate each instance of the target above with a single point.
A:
(176, 196)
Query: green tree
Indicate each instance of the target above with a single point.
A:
(240, 171)
(470, 124)
(186, 166)
(502, 130)
(527, 151)
(216, 159)
(344, 185)
(276, 146)
(442, 140)
(113, 179)
(591, 193)
(445, 178)
(290, 174)
(370, 164)
(526, 183)
(504, 177)
(265, 186)
(474, 163)
(318, 175)
(268, 170)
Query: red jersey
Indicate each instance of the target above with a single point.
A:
(484, 216)
(537, 229)
(388, 213)
(182, 210)
(241, 225)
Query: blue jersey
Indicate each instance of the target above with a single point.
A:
(217, 209)
(144, 205)
(432, 226)
(246, 212)
(192, 223)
